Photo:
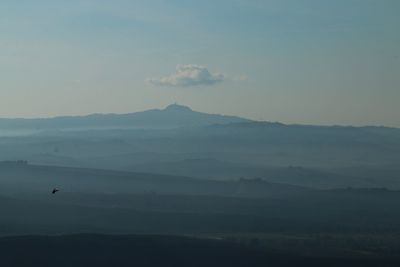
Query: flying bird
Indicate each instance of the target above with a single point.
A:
(55, 190)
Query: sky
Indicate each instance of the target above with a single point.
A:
(294, 61)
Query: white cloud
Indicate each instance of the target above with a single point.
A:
(189, 75)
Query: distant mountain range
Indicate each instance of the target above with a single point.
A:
(171, 117)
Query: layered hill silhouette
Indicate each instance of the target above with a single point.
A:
(20, 177)
(174, 141)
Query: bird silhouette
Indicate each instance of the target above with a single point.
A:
(55, 190)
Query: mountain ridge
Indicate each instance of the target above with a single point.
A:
(172, 116)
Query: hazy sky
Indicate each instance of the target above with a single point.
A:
(294, 61)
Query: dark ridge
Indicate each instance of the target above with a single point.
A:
(154, 250)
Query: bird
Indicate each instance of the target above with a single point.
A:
(55, 190)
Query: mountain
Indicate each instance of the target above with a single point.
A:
(171, 117)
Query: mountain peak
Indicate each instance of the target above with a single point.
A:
(176, 107)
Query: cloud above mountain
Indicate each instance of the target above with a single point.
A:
(189, 75)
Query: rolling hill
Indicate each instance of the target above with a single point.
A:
(20, 177)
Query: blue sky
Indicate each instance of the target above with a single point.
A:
(295, 61)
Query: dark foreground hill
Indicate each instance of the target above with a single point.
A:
(339, 212)
(100, 250)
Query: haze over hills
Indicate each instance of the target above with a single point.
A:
(180, 172)
(180, 141)
(285, 152)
